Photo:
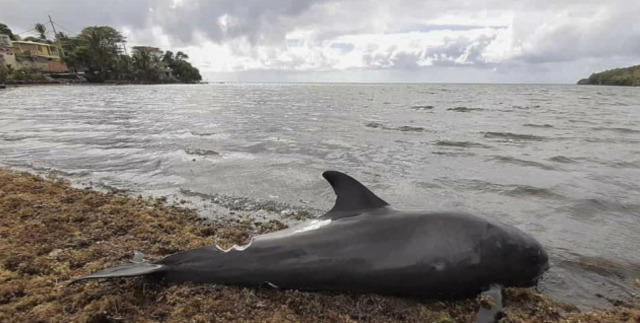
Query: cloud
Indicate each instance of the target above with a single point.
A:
(579, 31)
(503, 36)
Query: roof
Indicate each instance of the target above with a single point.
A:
(31, 42)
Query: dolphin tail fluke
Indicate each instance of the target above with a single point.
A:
(138, 267)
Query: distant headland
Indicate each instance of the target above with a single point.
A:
(627, 76)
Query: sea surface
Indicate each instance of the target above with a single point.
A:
(560, 162)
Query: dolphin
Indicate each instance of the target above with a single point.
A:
(364, 245)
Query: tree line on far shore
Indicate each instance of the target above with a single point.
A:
(628, 76)
(100, 52)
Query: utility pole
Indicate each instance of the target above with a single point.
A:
(55, 35)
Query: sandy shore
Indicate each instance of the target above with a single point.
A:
(51, 233)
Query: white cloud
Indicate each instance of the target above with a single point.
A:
(547, 40)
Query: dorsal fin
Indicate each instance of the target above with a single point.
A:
(351, 196)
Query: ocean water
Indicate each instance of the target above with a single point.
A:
(560, 162)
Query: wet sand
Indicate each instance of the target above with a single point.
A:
(51, 233)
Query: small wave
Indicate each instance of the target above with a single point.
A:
(513, 136)
(513, 190)
(422, 107)
(623, 164)
(15, 138)
(618, 130)
(521, 162)
(463, 109)
(409, 128)
(533, 125)
(202, 134)
(526, 190)
(526, 107)
(614, 140)
(596, 207)
(598, 265)
(461, 144)
(377, 125)
(49, 170)
(453, 153)
(201, 152)
(562, 159)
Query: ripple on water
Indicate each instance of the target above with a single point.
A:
(535, 125)
(513, 190)
(422, 107)
(201, 152)
(463, 109)
(562, 159)
(522, 162)
(510, 136)
(617, 130)
(593, 207)
(454, 153)
(377, 125)
(460, 144)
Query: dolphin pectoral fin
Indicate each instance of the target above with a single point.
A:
(351, 196)
(490, 305)
(124, 270)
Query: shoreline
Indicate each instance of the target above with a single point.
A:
(51, 233)
(38, 84)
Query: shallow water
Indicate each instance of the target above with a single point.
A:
(561, 162)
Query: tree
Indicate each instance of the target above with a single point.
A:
(180, 56)
(4, 71)
(147, 63)
(182, 69)
(123, 68)
(41, 29)
(168, 57)
(628, 76)
(96, 49)
(185, 72)
(4, 29)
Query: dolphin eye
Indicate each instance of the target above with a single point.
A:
(535, 258)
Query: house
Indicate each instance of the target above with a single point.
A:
(43, 56)
(7, 54)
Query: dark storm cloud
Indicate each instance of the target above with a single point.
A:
(259, 21)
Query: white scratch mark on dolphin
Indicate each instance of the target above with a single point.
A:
(236, 247)
(313, 225)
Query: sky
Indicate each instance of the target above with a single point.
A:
(450, 41)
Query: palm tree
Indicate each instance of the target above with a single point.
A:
(41, 29)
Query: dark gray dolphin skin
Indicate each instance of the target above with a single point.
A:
(363, 245)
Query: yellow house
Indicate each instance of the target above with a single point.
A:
(38, 55)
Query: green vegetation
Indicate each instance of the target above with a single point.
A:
(181, 68)
(628, 76)
(4, 73)
(28, 75)
(100, 52)
(4, 29)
